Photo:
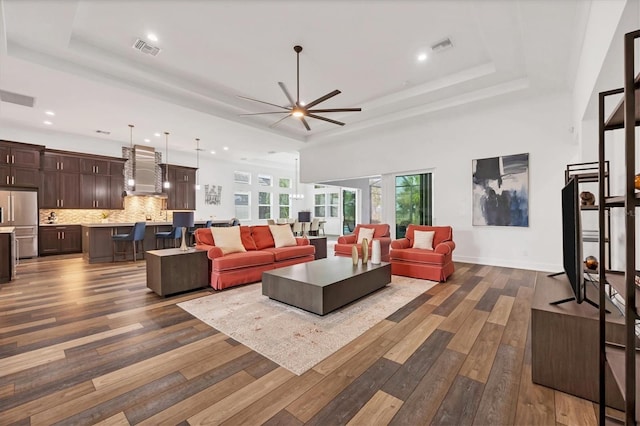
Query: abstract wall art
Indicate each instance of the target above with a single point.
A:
(213, 194)
(501, 191)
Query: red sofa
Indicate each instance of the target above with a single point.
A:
(435, 265)
(346, 242)
(242, 268)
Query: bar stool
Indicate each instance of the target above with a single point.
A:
(136, 234)
(174, 234)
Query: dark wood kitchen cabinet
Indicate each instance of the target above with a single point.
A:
(20, 164)
(16, 154)
(116, 188)
(182, 193)
(60, 186)
(73, 180)
(94, 191)
(56, 161)
(94, 165)
(19, 176)
(61, 239)
(60, 190)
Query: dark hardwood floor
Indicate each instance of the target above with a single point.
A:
(86, 344)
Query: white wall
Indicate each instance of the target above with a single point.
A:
(446, 145)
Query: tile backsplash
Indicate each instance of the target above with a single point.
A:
(135, 209)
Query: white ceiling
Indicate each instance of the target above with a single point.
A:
(76, 58)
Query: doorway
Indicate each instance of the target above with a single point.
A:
(348, 211)
(414, 201)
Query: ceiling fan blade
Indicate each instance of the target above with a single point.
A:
(317, 117)
(335, 110)
(263, 113)
(305, 123)
(287, 94)
(263, 102)
(278, 122)
(322, 99)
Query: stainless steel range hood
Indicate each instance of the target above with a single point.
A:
(146, 173)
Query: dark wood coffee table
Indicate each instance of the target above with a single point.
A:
(324, 285)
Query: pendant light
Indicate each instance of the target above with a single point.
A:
(166, 184)
(197, 164)
(131, 182)
(296, 195)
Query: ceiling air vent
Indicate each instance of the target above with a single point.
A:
(145, 47)
(16, 98)
(442, 45)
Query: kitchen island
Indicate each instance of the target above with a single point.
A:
(7, 253)
(96, 238)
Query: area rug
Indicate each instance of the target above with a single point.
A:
(295, 339)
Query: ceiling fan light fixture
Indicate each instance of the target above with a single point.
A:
(298, 109)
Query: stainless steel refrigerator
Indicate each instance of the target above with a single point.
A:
(20, 210)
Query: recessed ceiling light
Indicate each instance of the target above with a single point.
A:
(51, 113)
(422, 57)
(48, 123)
(156, 134)
(213, 152)
(152, 37)
(226, 148)
(147, 140)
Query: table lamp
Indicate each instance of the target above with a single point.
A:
(183, 220)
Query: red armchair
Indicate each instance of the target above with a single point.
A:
(381, 232)
(435, 264)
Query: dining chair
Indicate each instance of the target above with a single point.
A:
(314, 227)
(297, 228)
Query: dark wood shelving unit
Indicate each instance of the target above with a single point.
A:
(589, 173)
(616, 359)
(622, 360)
(616, 118)
(617, 281)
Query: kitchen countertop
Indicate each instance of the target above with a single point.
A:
(149, 223)
(7, 229)
(59, 224)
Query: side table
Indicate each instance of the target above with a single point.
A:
(172, 270)
(320, 243)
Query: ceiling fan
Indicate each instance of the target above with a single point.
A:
(298, 109)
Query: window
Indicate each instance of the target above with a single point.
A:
(319, 205)
(242, 177)
(284, 183)
(264, 205)
(334, 204)
(414, 201)
(242, 205)
(284, 206)
(265, 180)
(375, 193)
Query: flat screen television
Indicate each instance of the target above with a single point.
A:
(572, 239)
